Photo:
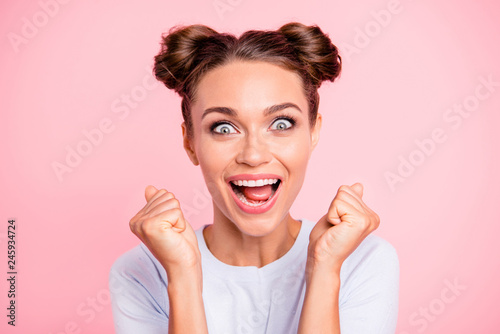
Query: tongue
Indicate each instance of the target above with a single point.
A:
(258, 193)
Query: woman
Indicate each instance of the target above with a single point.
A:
(251, 122)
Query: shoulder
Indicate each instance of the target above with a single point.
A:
(139, 300)
(137, 267)
(371, 270)
(369, 290)
(375, 248)
(374, 255)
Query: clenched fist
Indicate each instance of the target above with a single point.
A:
(338, 233)
(161, 226)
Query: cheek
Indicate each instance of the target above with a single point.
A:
(294, 153)
(213, 158)
(212, 167)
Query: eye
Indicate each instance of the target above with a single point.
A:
(282, 124)
(224, 129)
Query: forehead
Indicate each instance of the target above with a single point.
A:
(249, 86)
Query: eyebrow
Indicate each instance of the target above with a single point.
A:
(268, 111)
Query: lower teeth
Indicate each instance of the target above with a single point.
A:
(244, 200)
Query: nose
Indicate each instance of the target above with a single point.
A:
(254, 151)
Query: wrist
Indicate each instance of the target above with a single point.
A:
(320, 310)
(185, 291)
(185, 295)
(323, 274)
(184, 276)
(322, 267)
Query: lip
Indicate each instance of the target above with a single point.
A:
(255, 209)
(253, 177)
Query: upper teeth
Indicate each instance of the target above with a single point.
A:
(254, 183)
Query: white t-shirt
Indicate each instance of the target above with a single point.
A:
(259, 300)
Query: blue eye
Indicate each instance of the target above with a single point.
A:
(224, 129)
(281, 124)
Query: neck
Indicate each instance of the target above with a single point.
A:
(232, 246)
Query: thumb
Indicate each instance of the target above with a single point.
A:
(150, 192)
(358, 189)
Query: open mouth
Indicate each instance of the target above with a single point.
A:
(255, 196)
(255, 192)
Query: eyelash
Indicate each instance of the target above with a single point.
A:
(288, 118)
(216, 124)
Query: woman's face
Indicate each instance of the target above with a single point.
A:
(252, 139)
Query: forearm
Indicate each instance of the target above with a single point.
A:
(320, 311)
(187, 312)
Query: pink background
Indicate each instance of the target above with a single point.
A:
(68, 68)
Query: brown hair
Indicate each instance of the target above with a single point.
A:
(189, 52)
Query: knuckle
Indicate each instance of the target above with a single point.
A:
(337, 201)
(147, 229)
(343, 194)
(175, 202)
(344, 188)
(133, 223)
(177, 211)
(161, 191)
(372, 222)
(364, 222)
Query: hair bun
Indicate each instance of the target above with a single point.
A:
(177, 56)
(314, 49)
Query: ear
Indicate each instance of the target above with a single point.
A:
(188, 145)
(316, 130)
